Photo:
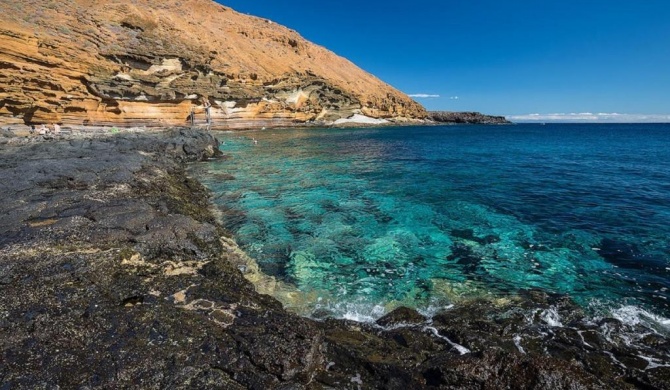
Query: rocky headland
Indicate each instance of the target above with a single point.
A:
(466, 118)
(136, 63)
(115, 273)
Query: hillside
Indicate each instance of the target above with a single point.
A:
(137, 62)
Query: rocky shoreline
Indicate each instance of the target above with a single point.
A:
(115, 273)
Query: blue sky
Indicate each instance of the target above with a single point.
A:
(499, 57)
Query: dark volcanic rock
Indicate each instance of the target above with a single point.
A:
(113, 275)
(466, 117)
(401, 315)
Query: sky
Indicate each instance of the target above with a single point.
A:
(536, 60)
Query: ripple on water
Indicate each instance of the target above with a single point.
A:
(367, 220)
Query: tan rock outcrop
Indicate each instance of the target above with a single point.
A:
(144, 62)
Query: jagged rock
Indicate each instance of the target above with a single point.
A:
(466, 117)
(150, 63)
(401, 315)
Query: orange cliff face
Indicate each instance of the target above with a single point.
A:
(141, 62)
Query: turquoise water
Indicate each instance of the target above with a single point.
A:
(367, 219)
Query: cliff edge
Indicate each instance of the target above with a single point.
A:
(130, 63)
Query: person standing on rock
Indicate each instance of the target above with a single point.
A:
(208, 107)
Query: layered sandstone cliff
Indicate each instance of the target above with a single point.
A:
(140, 62)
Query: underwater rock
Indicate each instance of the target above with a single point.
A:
(465, 256)
(628, 255)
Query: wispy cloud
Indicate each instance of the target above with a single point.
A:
(591, 117)
(423, 95)
(454, 97)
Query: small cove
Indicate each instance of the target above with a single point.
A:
(359, 221)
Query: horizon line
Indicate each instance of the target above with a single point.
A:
(587, 117)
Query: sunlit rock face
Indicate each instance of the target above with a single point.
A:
(143, 62)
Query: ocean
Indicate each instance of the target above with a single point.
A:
(356, 222)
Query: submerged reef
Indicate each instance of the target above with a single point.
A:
(115, 272)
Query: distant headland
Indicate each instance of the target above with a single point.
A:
(466, 118)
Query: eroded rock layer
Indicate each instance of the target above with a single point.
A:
(151, 63)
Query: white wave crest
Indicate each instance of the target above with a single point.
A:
(461, 349)
(634, 316)
(551, 317)
(359, 312)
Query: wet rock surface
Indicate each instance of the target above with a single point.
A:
(113, 275)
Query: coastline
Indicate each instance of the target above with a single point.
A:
(356, 121)
(112, 255)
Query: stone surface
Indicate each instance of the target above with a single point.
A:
(143, 62)
(401, 316)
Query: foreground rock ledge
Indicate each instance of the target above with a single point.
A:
(113, 274)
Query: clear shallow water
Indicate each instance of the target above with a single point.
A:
(368, 219)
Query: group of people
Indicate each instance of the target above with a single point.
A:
(207, 108)
(44, 129)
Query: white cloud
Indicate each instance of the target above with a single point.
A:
(601, 117)
(454, 98)
(423, 95)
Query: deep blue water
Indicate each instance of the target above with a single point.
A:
(367, 219)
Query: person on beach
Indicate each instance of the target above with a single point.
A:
(56, 128)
